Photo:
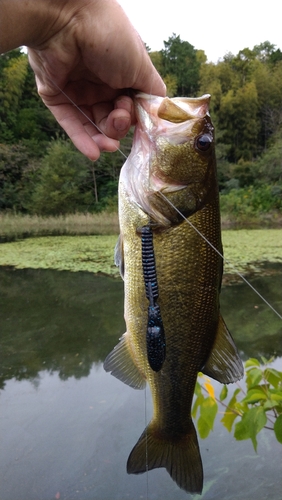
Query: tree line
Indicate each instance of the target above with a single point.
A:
(42, 173)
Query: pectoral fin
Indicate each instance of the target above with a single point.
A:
(120, 363)
(224, 363)
(119, 259)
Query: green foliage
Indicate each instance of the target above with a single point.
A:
(252, 200)
(241, 129)
(18, 173)
(179, 58)
(270, 164)
(171, 85)
(256, 406)
(207, 407)
(22, 113)
(64, 184)
(246, 109)
(156, 58)
(11, 90)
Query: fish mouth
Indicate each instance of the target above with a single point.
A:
(176, 109)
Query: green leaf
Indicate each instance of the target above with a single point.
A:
(252, 362)
(254, 376)
(198, 401)
(208, 411)
(203, 428)
(233, 400)
(267, 361)
(223, 393)
(278, 429)
(229, 415)
(251, 424)
(228, 419)
(273, 376)
(198, 389)
(269, 405)
(255, 395)
(276, 396)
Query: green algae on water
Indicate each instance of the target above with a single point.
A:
(247, 250)
(70, 253)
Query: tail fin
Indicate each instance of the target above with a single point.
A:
(181, 457)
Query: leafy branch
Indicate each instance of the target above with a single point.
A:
(257, 407)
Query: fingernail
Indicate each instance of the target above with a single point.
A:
(121, 124)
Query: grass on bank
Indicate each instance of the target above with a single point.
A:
(16, 226)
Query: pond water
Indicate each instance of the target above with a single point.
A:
(67, 427)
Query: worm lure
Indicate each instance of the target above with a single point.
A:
(155, 335)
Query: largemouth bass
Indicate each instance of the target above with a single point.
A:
(172, 312)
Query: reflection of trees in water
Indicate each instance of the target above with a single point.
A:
(57, 321)
(257, 330)
(64, 322)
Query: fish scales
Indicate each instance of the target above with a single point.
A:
(173, 154)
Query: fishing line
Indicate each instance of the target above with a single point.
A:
(146, 448)
(176, 209)
(199, 233)
(145, 395)
(220, 254)
(124, 155)
(84, 114)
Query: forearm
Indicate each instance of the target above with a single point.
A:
(90, 51)
(28, 22)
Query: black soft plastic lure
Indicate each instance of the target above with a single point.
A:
(155, 335)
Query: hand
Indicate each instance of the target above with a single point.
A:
(93, 54)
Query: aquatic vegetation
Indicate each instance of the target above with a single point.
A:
(256, 406)
(246, 249)
(249, 249)
(71, 253)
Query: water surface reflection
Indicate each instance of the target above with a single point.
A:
(67, 427)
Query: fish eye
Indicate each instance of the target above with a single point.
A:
(203, 142)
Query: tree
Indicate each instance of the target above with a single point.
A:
(18, 172)
(156, 58)
(270, 164)
(239, 112)
(65, 184)
(264, 51)
(11, 89)
(179, 58)
(23, 116)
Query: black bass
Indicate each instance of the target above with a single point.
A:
(172, 312)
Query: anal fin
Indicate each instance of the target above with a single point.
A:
(121, 365)
(224, 363)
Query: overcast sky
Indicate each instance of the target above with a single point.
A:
(216, 26)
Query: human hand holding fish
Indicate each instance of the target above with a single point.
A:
(88, 51)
